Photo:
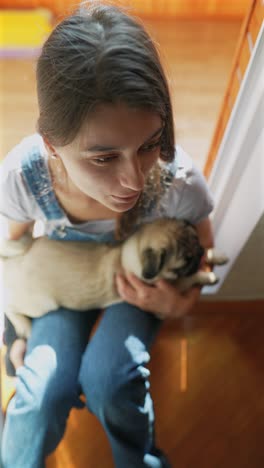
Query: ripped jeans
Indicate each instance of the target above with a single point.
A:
(111, 372)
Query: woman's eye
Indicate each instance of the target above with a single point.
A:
(147, 148)
(104, 160)
(152, 146)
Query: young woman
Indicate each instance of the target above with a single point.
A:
(103, 160)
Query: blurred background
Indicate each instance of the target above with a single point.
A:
(196, 39)
(207, 368)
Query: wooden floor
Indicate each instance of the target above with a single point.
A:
(210, 413)
(207, 370)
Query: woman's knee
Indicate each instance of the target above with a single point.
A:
(41, 385)
(114, 384)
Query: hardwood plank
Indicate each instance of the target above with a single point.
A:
(218, 420)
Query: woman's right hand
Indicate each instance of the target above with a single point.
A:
(17, 352)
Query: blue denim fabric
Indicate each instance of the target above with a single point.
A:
(60, 363)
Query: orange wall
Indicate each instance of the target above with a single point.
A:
(152, 8)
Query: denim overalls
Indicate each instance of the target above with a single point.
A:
(62, 362)
(38, 179)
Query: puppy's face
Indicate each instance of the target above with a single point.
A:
(169, 249)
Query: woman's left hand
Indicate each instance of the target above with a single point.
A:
(162, 299)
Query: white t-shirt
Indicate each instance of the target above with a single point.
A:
(187, 198)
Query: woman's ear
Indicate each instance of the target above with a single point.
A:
(50, 149)
(58, 172)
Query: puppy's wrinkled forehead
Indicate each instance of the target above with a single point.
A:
(164, 233)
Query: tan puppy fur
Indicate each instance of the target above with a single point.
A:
(41, 274)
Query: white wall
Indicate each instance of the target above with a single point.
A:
(237, 178)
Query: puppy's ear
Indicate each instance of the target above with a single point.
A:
(152, 262)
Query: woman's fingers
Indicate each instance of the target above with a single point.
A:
(17, 352)
(163, 299)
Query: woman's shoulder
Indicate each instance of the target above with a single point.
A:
(183, 169)
(16, 200)
(14, 158)
(188, 195)
(183, 163)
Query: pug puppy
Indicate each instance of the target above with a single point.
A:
(41, 275)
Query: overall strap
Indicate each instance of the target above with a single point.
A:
(38, 179)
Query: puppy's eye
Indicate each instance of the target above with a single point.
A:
(153, 262)
(163, 256)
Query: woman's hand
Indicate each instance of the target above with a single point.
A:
(17, 352)
(162, 299)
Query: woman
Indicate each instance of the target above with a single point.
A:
(103, 160)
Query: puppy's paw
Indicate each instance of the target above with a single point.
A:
(213, 257)
(201, 278)
(205, 278)
(26, 331)
(13, 248)
(22, 326)
(212, 278)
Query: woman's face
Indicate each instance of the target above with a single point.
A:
(112, 155)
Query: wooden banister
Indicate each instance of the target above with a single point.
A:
(248, 35)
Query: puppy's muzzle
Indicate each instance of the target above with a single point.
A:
(153, 263)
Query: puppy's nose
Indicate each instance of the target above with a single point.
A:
(149, 274)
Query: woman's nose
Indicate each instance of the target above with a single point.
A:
(132, 175)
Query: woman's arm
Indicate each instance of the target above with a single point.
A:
(205, 233)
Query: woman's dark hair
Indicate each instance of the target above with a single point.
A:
(98, 55)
